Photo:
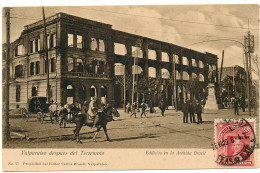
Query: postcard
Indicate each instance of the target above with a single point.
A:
(130, 87)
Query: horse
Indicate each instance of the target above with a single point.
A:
(63, 116)
(104, 117)
(53, 110)
(162, 106)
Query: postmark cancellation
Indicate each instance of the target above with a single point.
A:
(234, 143)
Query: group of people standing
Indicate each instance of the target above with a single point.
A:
(191, 108)
(133, 109)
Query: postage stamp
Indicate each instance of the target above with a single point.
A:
(235, 142)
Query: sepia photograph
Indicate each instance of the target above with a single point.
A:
(132, 77)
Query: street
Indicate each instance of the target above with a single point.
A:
(154, 131)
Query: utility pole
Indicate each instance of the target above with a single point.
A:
(234, 81)
(46, 56)
(221, 68)
(249, 48)
(124, 89)
(137, 97)
(133, 90)
(6, 126)
(174, 82)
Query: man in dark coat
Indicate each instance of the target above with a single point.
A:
(133, 110)
(198, 111)
(191, 112)
(185, 110)
(236, 102)
(143, 105)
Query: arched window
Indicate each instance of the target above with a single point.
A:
(19, 70)
(103, 94)
(101, 47)
(152, 72)
(93, 91)
(70, 64)
(119, 69)
(93, 44)
(193, 63)
(201, 65)
(94, 66)
(120, 49)
(136, 69)
(185, 61)
(69, 87)
(185, 76)
(176, 59)
(165, 57)
(165, 73)
(194, 76)
(34, 91)
(151, 54)
(70, 94)
(137, 52)
(101, 67)
(79, 65)
(201, 78)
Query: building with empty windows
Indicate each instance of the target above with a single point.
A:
(88, 58)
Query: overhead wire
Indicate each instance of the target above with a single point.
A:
(176, 20)
(196, 35)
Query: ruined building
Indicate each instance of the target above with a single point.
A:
(85, 58)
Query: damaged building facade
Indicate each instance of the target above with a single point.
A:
(84, 58)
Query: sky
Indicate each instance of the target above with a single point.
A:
(198, 27)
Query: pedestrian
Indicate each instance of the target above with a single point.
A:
(243, 104)
(133, 110)
(185, 110)
(128, 107)
(191, 112)
(143, 106)
(198, 111)
(236, 102)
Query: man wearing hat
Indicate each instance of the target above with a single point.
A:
(198, 111)
(185, 110)
(92, 110)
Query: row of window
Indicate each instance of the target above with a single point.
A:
(77, 41)
(35, 67)
(35, 45)
(120, 49)
(165, 74)
(77, 65)
(34, 92)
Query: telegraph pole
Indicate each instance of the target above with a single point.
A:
(133, 90)
(249, 48)
(124, 88)
(6, 126)
(174, 82)
(46, 56)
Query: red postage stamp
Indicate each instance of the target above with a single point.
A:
(234, 142)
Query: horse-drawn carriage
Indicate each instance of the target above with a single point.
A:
(37, 106)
